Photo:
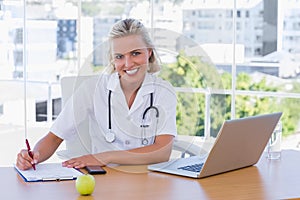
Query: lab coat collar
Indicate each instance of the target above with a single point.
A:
(143, 93)
(113, 82)
(147, 87)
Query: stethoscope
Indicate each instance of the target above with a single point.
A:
(111, 136)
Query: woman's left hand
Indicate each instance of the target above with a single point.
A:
(82, 161)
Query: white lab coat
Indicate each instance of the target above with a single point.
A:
(90, 101)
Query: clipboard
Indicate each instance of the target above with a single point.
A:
(49, 172)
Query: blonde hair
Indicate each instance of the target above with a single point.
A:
(128, 27)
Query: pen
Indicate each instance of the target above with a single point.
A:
(30, 152)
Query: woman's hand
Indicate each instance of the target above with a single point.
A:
(24, 161)
(82, 161)
(158, 152)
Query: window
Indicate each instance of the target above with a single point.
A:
(18, 39)
(247, 14)
(238, 13)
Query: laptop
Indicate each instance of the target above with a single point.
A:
(240, 143)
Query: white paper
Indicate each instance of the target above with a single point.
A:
(49, 172)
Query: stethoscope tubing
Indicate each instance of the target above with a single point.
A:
(111, 135)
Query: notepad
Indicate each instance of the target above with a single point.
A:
(49, 172)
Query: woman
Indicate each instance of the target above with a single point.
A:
(125, 106)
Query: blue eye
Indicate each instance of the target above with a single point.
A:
(118, 56)
(135, 53)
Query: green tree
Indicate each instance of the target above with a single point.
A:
(191, 73)
(247, 105)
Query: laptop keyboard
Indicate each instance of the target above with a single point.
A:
(193, 168)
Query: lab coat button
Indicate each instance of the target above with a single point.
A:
(127, 142)
(95, 150)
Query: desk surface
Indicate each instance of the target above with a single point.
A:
(266, 180)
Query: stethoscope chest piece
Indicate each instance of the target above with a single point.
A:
(144, 141)
(110, 136)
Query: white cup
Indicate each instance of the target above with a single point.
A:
(274, 145)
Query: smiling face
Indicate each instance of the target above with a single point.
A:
(130, 58)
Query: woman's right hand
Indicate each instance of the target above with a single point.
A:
(24, 161)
